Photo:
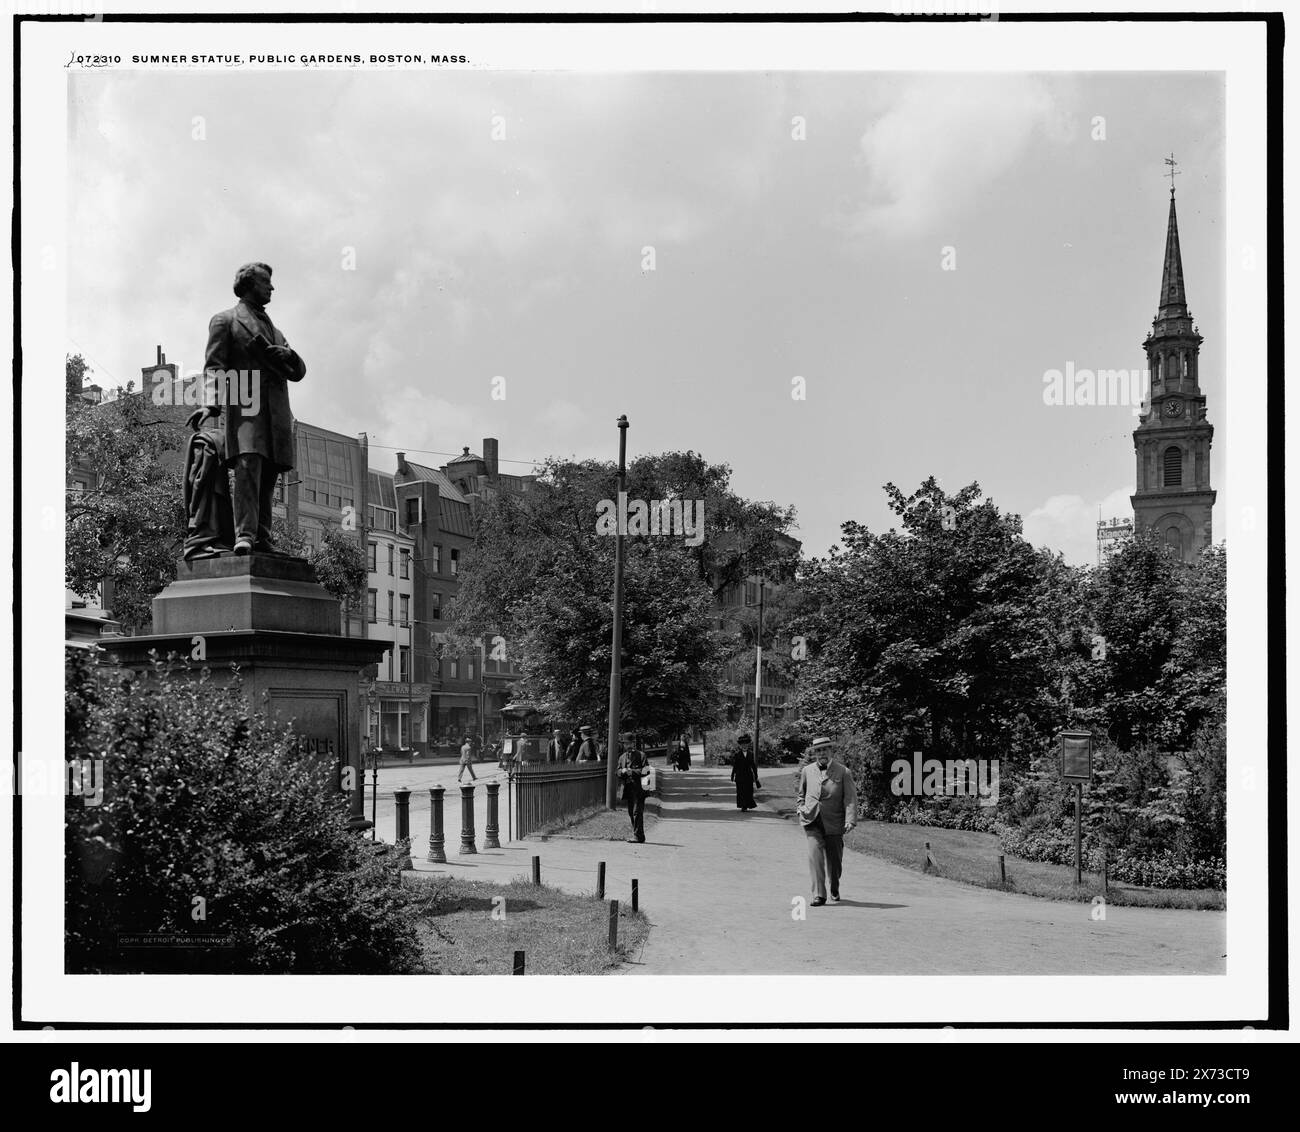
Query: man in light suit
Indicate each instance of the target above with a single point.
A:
(243, 342)
(828, 809)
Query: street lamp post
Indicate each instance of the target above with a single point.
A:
(616, 650)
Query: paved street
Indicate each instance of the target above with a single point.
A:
(717, 883)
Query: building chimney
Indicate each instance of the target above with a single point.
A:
(403, 469)
(490, 457)
(161, 359)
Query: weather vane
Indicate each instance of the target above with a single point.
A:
(1173, 171)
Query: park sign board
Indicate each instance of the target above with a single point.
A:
(1076, 756)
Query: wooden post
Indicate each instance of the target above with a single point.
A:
(636, 894)
(519, 963)
(1002, 867)
(600, 880)
(537, 870)
(613, 925)
(1078, 833)
(929, 858)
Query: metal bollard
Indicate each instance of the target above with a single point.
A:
(403, 799)
(437, 850)
(537, 870)
(613, 925)
(519, 963)
(492, 831)
(467, 820)
(1002, 867)
(600, 880)
(636, 894)
(929, 858)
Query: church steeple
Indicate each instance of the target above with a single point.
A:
(1173, 294)
(1173, 440)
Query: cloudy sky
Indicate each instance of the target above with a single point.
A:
(417, 257)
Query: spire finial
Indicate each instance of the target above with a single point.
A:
(1173, 171)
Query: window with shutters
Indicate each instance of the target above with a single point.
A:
(1173, 467)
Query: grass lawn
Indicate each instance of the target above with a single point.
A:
(599, 823)
(973, 858)
(474, 928)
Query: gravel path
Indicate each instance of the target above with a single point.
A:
(719, 885)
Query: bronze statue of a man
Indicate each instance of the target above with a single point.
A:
(251, 362)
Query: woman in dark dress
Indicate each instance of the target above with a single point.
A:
(744, 773)
(683, 754)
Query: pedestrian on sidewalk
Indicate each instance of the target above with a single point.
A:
(587, 749)
(827, 805)
(683, 753)
(555, 748)
(744, 773)
(571, 753)
(632, 769)
(467, 760)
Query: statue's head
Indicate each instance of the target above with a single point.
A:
(253, 280)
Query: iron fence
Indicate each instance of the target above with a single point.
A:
(545, 792)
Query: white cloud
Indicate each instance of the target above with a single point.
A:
(943, 140)
(1068, 523)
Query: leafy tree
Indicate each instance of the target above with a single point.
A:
(75, 370)
(338, 560)
(943, 636)
(1164, 627)
(670, 670)
(541, 576)
(128, 527)
(744, 537)
(740, 636)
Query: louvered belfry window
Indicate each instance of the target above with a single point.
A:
(1173, 467)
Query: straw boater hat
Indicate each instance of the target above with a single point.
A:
(819, 742)
(585, 730)
(744, 737)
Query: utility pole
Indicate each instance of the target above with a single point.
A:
(758, 672)
(616, 651)
(482, 696)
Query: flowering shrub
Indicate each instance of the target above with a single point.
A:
(213, 822)
(1164, 869)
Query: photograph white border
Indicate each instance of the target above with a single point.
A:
(1235, 49)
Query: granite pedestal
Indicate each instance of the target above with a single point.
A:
(269, 615)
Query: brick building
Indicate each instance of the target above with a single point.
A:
(438, 508)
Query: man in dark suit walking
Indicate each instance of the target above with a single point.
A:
(828, 808)
(247, 354)
(632, 769)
